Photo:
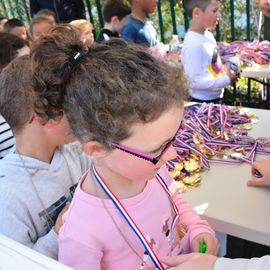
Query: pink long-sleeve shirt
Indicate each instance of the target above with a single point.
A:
(89, 239)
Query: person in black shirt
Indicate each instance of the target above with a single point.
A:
(115, 13)
(65, 10)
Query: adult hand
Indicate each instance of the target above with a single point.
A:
(265, 7)
(263, 167)
(190, 261)
(59, 221)
(212, 244)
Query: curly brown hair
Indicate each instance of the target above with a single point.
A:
(104, 90)
(116, 85)
(51, 70)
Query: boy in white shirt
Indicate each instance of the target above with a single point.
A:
(200, 57)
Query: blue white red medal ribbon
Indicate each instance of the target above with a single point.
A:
(128, 218)
(166, 189)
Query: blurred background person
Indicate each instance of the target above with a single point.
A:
(47, 13)
(11, 47)
(265, 7)
(16, 27)
(3, 20)
(86, 34)
(40, 25)
(115, 14)
(65, 10)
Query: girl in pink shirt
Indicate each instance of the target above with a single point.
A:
(125, 107)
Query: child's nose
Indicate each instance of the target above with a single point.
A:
(169, 154)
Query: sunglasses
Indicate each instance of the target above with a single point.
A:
(142, 155)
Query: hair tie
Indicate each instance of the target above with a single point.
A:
(74, 59)
(77, 56)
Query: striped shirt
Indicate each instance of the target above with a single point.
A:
(6, 137)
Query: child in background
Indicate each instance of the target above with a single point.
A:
(15, 27)
(40, 25)
(11, 47)
(65, 10)
(86, 31)
(265, 7)
(138, 105)
(137, 28)
(200, 58)
(39, 176)
(3, 20)
(115, 13)
(47, 13)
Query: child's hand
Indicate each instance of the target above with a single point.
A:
(212, 244)
(158, 51)
(190, 262)
(59, 223)
(263, 167)
(173, 55)
(232, 75)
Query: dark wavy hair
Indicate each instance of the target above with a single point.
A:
(9, 46)
(12, 23)
(51, 70)
(116, 85)
(104, 90)
(115, 8)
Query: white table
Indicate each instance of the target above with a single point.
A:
(16, 256)
(256, 72)
(228, 204)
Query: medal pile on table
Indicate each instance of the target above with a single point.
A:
(244, 53)
(213, 133)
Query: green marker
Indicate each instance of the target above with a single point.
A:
(202, 247)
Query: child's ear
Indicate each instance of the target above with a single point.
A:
(94, 149)
(196, 12)
(114, 20)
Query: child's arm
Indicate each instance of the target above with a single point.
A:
(209, 262)
(196, 228)
(77, 255)
(17, 224)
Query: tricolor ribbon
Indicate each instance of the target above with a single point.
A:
(129, 219)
